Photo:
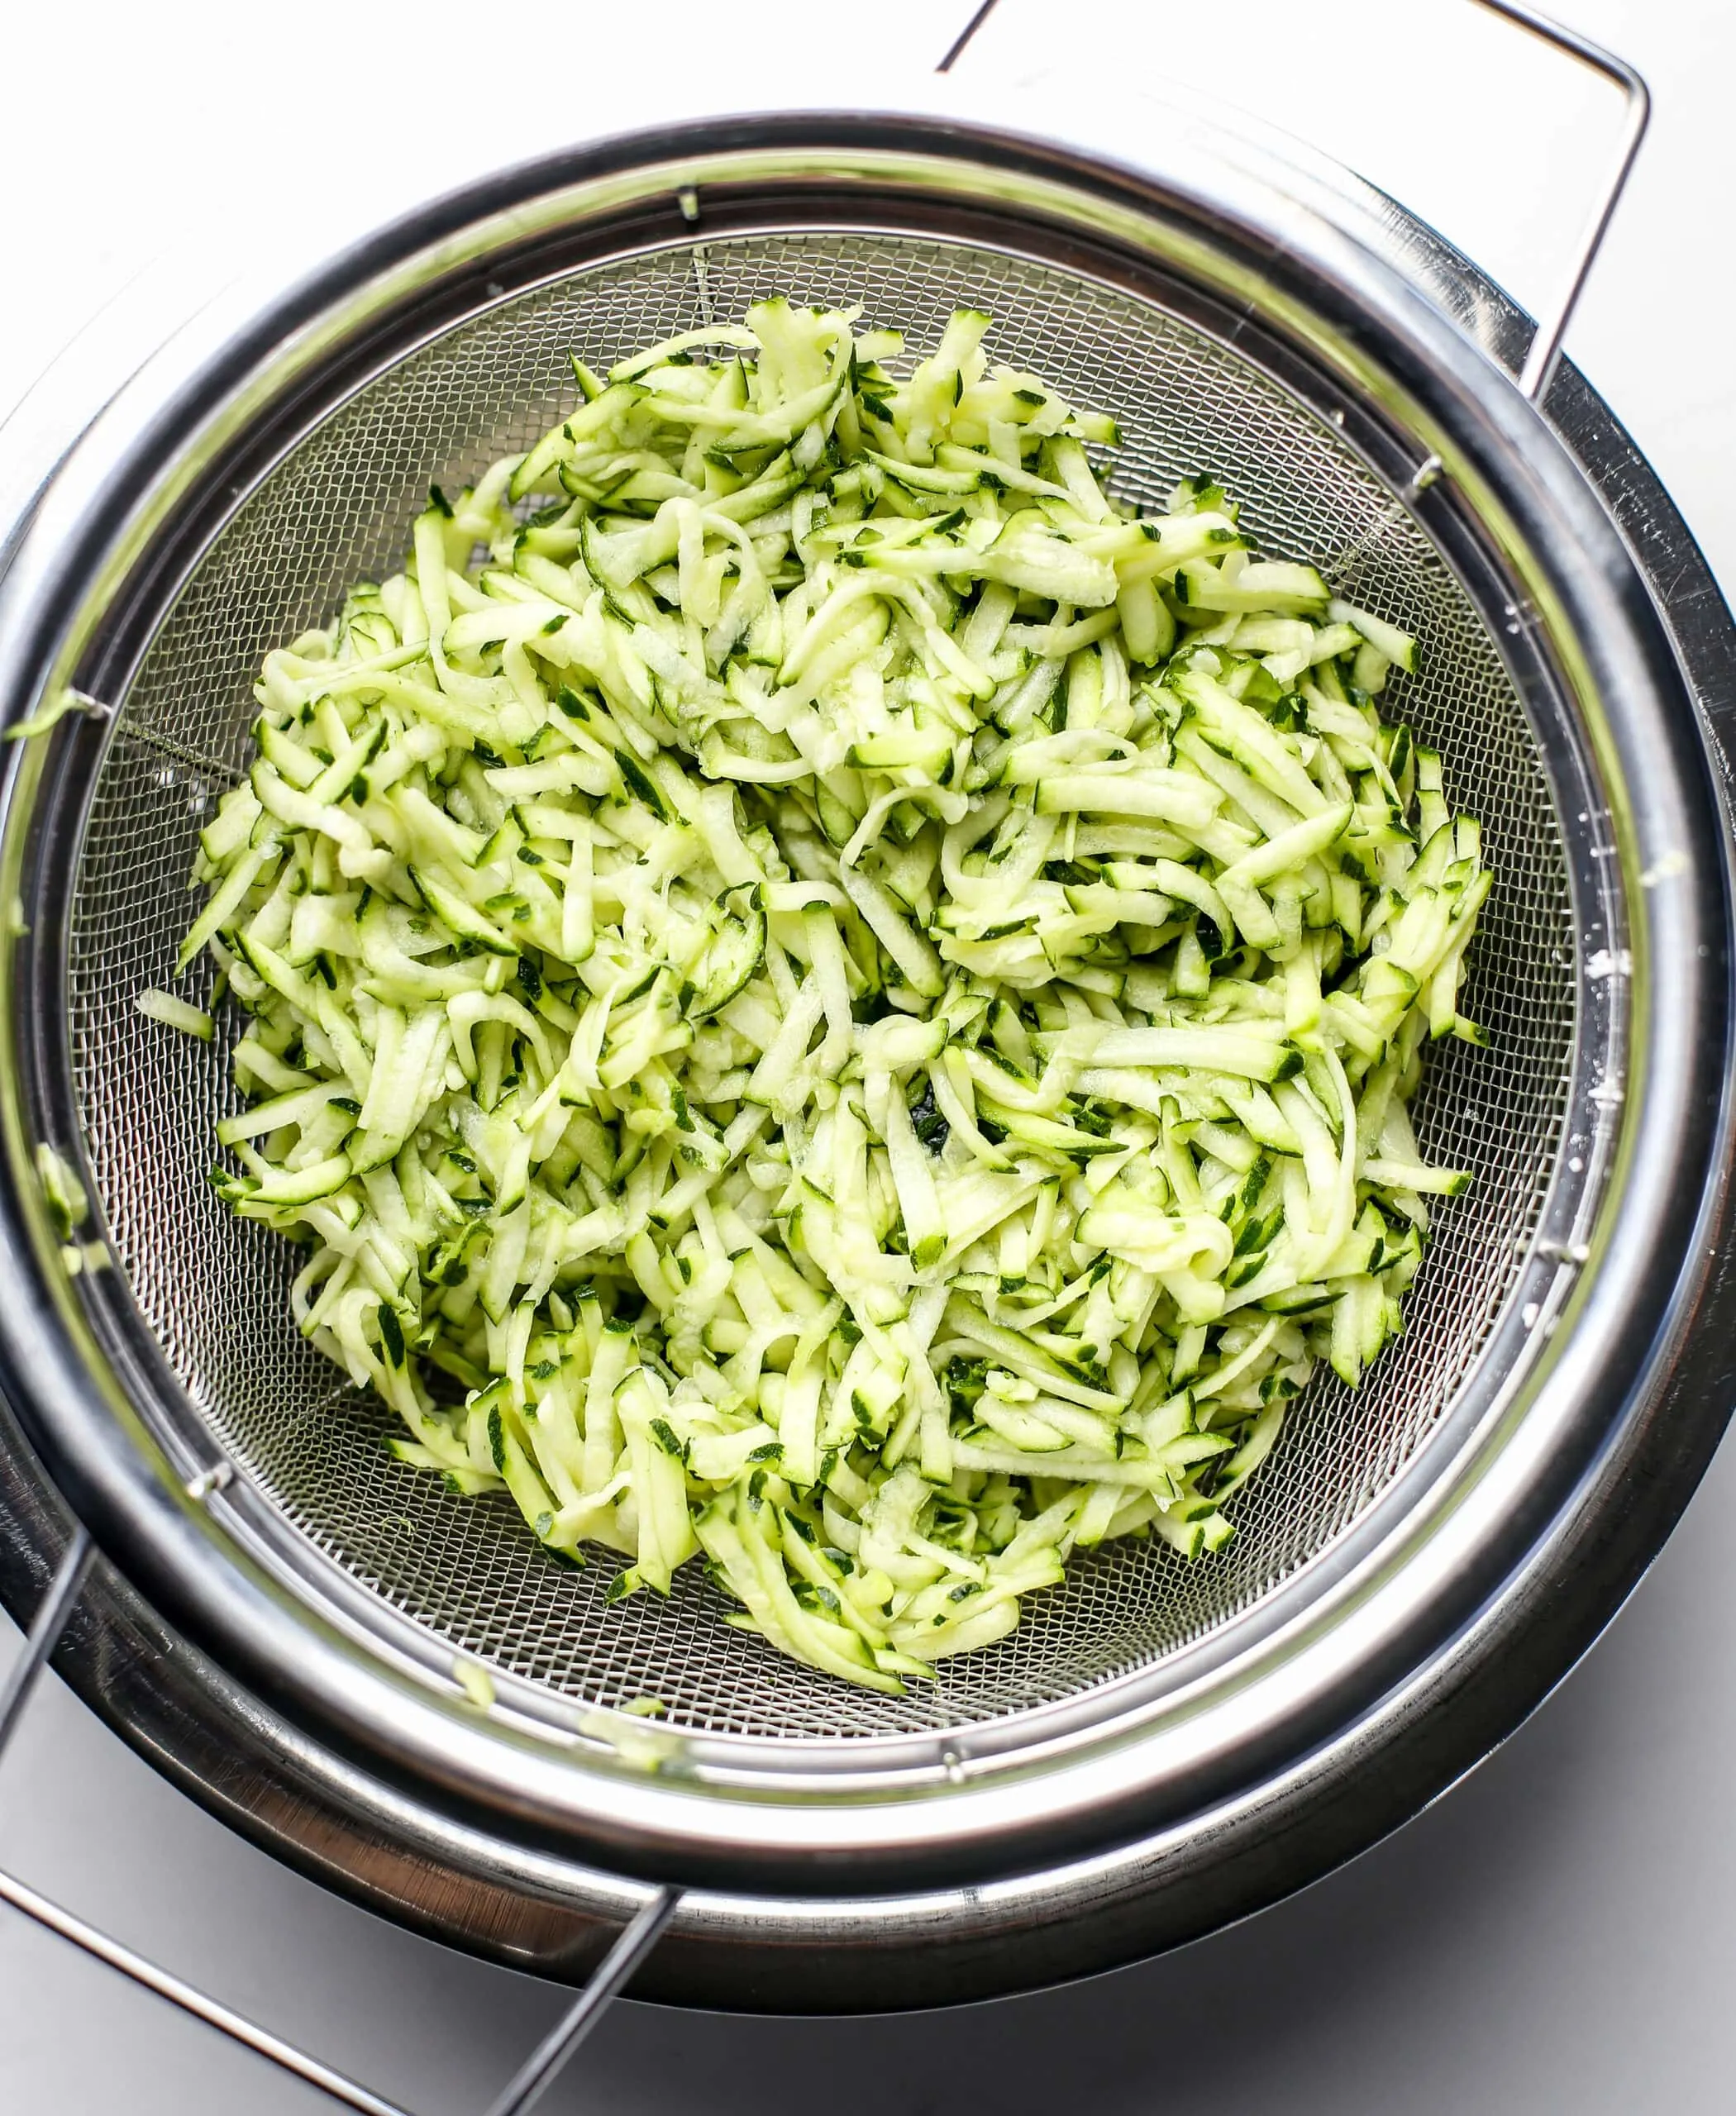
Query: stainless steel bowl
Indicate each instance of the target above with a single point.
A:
(1158, 1748)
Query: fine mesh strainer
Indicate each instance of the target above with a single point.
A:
(336, 506)
(1394, 1547)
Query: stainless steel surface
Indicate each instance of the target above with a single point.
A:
(146, 1974)
(1512, 488)
(45, 1631)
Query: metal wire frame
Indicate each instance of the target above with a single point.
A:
(521, 2092)
(1552, 328)
(528, 2085)
(1546, 343)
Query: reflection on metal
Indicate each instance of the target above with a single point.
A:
(45, 1631)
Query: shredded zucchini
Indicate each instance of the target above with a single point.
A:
(174, 1012)
(824, 995)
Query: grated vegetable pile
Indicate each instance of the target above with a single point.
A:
(824, 996)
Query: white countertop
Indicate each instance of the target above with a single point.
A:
(1554, 1936)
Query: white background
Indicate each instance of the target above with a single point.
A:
(1556, 1935)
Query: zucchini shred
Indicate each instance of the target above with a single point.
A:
(825, 997)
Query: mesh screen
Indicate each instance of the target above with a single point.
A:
(339, 506)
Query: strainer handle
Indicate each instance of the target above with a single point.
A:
(1538, 370)
(525, 2089)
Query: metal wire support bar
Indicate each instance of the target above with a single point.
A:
(1546, 343)
(955, 50)
(49, 1621)
(284, 2055)
(540, 2069)
(526, 2089)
